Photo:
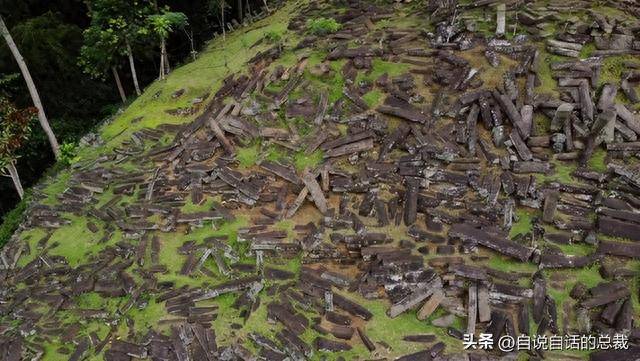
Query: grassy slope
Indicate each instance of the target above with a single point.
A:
(199, 78)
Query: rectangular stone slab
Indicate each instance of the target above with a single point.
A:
(350, 148)
(472, 306)
(521, 147)
(497, 243)
(631, 250)
(317, 195)
(414, 298)
(611, 296)
(405, 114)
(618, 228)
(484, 308)
(550, 204)
(282, 171)
(431, 305)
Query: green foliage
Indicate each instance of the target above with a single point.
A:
(51, 48)
(273, 36)
(613, 67)
(165, 23)
(372, 98)
(7, 82)
(380, 67)
(597, 161)
(217, 8)
(14, 130)
(524, 223)
(248, 156)
(303, 160)
(99, 52)
(48, 44)
(68, 153)
(125, 19)
(323, 26)
(12, 220)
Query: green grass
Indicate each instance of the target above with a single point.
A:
(507, 264)
(170, 243)
(217, 61)
(548, 83)
(323, 26)
(333, 83)
(148, 316)
(524, 223)
(561, 172)
(274, 153)
(577, 249)
(248, 156)
(541, 124)
(56, 187)
(587, 50)
(597, 161)
(12, 219)
(612, 68)
(588, 275)
(302, 160)
(302, 125)
(372, 98)
(380, 67)
(392, 330)
(208, 204)
(75, 242)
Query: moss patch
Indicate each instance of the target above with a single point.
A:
(524, 223)
(597, 161)
(303, 160)
(248, 156)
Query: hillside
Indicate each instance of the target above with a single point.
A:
(351, 180)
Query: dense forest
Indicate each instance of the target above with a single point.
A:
(73, 70)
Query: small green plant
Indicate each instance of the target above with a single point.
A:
(273, 36)
(11, 221)
(323, 26)
(68, 152)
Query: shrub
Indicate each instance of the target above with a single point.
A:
(12, 220)
(323, 26)
(273, 36)
(68, 152)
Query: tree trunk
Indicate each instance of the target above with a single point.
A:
(13, 172)
(161, 72)
(266, 6)
(240, 13)
(224, 32)
(133, 68)
(123, 96)
(193, 49)
(42, 117)
(166, 61)
(164, 64)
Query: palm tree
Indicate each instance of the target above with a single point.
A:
(42, 117)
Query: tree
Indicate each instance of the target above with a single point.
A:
(98, 55)
(162, 25)
(125, 19)
(14, 130)
(217, 8)
(42, 117)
